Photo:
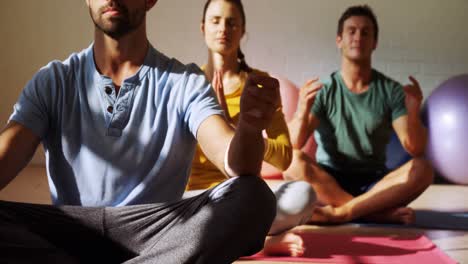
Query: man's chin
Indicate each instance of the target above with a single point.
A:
(115, 31)
(358, 57)
(115, 34)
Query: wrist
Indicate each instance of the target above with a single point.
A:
(413, 116)
(245, 126)
(300, 115)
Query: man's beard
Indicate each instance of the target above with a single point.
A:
(117, 27)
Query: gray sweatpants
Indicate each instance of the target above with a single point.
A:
(218, 226)
(295, 203)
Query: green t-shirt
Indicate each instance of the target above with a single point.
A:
(355, 128)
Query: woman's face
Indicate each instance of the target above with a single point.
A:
(223, 27)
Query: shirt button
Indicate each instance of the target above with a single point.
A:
(108, 90)
(110, 109)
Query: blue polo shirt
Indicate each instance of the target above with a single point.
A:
(108, 149)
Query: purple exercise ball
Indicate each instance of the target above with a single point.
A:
(447, 122)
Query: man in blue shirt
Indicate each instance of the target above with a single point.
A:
(119, 122)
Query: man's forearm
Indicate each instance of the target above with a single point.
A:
(417, 135)
(299, 131)
(17, 147)
(7, 172)
(246, 151)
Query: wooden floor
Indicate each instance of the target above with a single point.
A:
(31, 186)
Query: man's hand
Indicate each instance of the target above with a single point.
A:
(413, 96)
(240, 152)
(304, 122)
(259, 101)
(217, 84)
(307, 96)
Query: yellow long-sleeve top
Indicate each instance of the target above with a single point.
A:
(278, 149)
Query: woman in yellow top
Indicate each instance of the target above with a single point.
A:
(223, 26)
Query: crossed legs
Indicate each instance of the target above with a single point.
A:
(386, 201)
(217, 226)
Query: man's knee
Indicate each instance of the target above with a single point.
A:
(248, 195)
(255, 193)
(302, 167)
(423, 171)
(248, 206)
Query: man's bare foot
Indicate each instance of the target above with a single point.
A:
(400, 215)
(284, 244)
(336, 215)
(329, 215)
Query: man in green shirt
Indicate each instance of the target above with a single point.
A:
(352, 115)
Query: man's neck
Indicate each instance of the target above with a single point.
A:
(120, 58)
(356, 75)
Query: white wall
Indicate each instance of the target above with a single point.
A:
(295, 38)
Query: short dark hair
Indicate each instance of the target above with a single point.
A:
(359, 10)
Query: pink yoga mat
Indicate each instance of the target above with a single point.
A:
(346, 248)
